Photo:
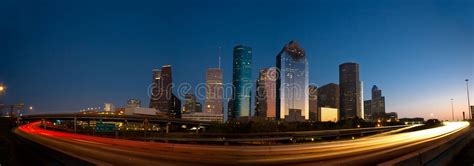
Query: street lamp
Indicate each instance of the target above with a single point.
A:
(452, 108)
(2, 89)
(468, 102)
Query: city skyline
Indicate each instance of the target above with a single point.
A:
(239, 82)
(435, 68)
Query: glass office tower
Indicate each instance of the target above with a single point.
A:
(292, 83)
(349, 85)
(242, 81)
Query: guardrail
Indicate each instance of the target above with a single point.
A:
(339, 132)
(111, 117)
(275, 136)
(438, 154)
(224, 138)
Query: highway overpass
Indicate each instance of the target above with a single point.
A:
(391, 149)
(110, 117)
(213, 138)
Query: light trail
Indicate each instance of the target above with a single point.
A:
(122, 152)
(396, 131)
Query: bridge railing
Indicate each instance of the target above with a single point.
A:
(438, 154)
(274, 136)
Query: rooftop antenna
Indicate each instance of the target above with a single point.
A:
(219, 57)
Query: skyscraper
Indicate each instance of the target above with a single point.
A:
(349, 85)
(175, 109)
(242, 81)
(156, 80)
(313, 103)
(367, 109)
(361, 100)
(214, 91)
(190, 104)
(230, 109)
(328, 96)
(266, 93)
(162, 97)
(292, 83)
(377, 105)
(164, 100)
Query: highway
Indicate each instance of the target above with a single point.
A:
(366, 150)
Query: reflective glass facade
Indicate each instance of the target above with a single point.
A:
(242, 81)
(293, 93)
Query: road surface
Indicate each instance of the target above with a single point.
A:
(105, 151)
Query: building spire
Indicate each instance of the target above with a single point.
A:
(219, 54)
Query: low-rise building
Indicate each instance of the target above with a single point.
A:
(109, 107)
(327, 114)
(133, 103)
(140, 111)
(391, 117)
(412, 120)
(294, 116)
(203, 117)
(119, 111)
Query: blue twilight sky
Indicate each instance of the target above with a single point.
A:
(61, 55)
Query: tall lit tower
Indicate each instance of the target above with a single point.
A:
(349, 85)
(242, 81)
(313, 102)
(265, 96)
(162, 97)
(164, 100)
(292, 83)
(156, 83)
(378, 101)
(214, 91)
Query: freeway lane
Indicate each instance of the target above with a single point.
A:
(124, 152)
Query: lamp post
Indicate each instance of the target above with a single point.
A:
(2, 89)
(468, 102)
(30, 110)
(452, 108)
